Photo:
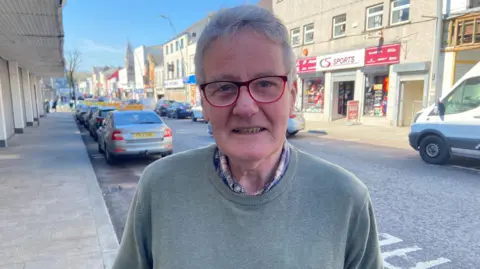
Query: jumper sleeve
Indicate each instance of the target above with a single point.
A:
(135, 247)
(363, 251)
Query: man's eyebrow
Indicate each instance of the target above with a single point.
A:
(229, 77)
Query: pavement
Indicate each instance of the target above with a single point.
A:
(379, 135)
(427, 215)
(52, 213)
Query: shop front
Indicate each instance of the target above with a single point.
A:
(193, 93)
(175, 90)
(377, 76)
(311, 90)
(343, 80)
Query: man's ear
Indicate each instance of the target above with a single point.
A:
(205, 111)
(293, 97)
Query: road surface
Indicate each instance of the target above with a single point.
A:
(428, 216)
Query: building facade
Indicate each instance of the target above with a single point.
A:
(461, 39)
(376, 52)
(177, 54)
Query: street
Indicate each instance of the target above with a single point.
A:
(427, 215)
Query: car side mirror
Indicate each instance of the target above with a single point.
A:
(440, 107)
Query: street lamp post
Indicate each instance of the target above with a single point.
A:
(184, 64)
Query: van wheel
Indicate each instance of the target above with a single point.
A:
(100, 150)
(434, 150)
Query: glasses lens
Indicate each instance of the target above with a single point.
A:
(221, 93)
(267, 89)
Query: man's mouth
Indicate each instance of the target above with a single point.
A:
(252, 130)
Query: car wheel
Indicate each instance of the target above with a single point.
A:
(434, 150)
(100, 150)
(109, 158)
(193, 118)
(177, 116)
(291, 134)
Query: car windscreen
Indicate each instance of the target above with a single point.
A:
(104, 113)
(136, 117)
(93, 109)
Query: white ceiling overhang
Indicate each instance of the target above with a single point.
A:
(31, 33)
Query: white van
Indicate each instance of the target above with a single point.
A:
(452, 125)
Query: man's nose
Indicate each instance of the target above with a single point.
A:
(245, 105)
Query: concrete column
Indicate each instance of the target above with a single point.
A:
(40, 97)
(33, 86)
(3, 130)
(17, 101)
(27, 93)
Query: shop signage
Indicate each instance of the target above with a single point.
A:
(386, 54)
(176, 83)
(352, 110)
(343, 60)
(307, 65)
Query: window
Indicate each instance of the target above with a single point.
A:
(464, 98)
(313, 95)
(192, 64)
(374, 17)
(308, 36)
(171, 47)
(176, 45)
(181, 43)
(166, 51)
(400, 11)
(183, 69)
(178, 69)
(295, 37)
(339, 25)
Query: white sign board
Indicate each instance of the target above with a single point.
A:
(175, 83)
(343, 60)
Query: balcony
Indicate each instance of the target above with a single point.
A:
(463, 32)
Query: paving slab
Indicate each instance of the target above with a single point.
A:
(52, 212)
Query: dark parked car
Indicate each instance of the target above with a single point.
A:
(97, 120)
(87, 116)
(179, 110)
(162, 106)
(81, 111)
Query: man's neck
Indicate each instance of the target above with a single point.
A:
(253, 176)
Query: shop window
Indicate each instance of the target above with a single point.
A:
(308, 33)
(339, 25)
(313, 95)
(374, 18)
(400, 11)
(295, 37)
(464, 98)
(376, 96)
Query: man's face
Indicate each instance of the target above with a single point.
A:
(242, 57)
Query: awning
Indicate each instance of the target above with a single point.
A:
(31, 33)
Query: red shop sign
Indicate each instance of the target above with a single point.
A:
(352, 110)
(307, 65)
(387, 54)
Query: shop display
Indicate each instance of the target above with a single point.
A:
(376, 97)
(313, 95)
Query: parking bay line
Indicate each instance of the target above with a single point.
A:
(388, 239)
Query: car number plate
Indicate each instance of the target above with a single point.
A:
(143, 135)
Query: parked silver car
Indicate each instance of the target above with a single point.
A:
(133, 133)
(296, 123)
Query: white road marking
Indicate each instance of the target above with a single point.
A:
(431, 264)
(389, 239)
(97, 156)
(402, 253)
(466, 168)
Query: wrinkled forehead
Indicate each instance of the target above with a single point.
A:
(242, 56)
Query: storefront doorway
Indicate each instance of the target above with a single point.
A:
(343, 92)
(411, 97)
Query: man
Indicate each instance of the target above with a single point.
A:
(251, 201)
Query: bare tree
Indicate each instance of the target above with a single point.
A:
(73, 61)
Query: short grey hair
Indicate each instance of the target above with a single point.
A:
(230, 21)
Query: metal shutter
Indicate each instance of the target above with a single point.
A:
(460, 70)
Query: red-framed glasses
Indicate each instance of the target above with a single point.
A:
(264, 90)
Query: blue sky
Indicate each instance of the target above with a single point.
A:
(99, 29)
